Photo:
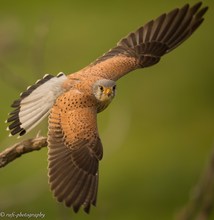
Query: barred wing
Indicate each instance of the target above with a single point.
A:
(144, 47)
(74, 153)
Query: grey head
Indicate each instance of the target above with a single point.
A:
(104, 90)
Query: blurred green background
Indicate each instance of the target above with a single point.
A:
(157, 134)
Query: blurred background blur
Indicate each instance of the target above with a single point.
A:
(157, 134)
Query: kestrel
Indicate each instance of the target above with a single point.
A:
(73, 101)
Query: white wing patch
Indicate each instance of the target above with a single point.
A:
(35, 103)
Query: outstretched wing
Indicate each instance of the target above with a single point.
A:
(145, 46)
(35, 103)
(74, 152)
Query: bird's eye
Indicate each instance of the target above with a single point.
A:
(101, 88)
(114, 87)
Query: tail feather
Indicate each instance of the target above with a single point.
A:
(31, 121)
(35, 103)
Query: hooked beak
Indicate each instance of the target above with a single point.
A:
(107, 91)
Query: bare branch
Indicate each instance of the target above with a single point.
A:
(201, 202)
(23, 147)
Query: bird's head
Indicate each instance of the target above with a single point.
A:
(104, 90)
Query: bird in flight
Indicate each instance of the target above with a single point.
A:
(73, 101)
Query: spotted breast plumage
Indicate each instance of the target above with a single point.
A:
(72, 103)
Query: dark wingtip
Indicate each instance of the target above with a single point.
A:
(87, 208)
(202, 12)
(76, 208)
(197, 5)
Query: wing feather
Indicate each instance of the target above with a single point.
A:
(146, 46)
(74, 152)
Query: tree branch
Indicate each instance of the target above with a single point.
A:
(23, 147)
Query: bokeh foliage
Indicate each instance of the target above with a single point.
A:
(157, 133)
